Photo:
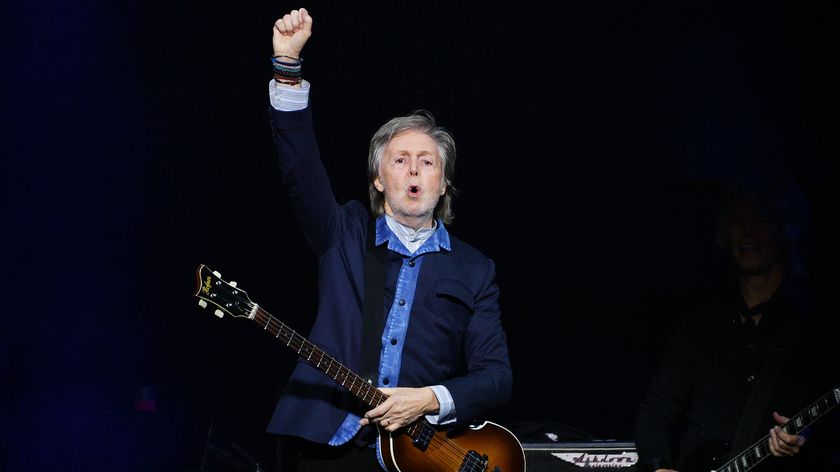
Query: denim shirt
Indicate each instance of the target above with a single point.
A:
(396, 325)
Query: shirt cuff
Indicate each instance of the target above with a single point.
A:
(446, 413)
(288, 98)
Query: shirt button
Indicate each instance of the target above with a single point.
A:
(393, 341)
(411, 263)
(402, 302)
(385, 381)
(750, 378)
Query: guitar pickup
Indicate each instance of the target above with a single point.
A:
(424, 437)
(474, 461)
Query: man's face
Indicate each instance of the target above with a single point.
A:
(410, 176)
(754, 239)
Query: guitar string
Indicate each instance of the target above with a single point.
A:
(298, 342)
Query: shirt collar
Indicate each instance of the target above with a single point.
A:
(437, 241)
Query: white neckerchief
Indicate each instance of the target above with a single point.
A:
(411, 238)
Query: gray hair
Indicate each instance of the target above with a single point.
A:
(421, 121)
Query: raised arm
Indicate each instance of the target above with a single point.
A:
(304, 177)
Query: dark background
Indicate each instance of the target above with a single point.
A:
(594, 141)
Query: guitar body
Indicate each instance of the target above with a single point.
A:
(486, 447)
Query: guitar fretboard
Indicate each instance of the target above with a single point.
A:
(319, 359)
(761, 449)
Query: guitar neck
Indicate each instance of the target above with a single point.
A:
(315, 356)
(759, 451)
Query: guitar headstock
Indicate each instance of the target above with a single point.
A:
(211, 289)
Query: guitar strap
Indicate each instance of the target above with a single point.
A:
(373, 320)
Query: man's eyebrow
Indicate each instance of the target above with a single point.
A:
(405, 152)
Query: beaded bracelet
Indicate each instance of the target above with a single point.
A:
(296, 59)
(286, 68)
(286, 81)
(287, 73)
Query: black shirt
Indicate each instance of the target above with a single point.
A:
(711, 364)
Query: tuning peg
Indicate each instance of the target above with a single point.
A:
(219, 313)
(232, 283)
(202, 304)
(217, 274)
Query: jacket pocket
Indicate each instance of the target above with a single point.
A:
(455, 291)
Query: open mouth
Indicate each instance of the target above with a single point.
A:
(748, 247)
(414, 191)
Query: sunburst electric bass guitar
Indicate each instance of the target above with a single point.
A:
(418, 447)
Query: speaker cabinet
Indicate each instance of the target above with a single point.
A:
(579, 456)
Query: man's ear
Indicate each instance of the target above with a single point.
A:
(378, 184)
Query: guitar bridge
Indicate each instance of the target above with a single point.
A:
(474, 462)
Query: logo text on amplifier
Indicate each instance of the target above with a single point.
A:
(583, 459)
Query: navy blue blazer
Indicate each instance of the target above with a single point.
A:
(454, 338)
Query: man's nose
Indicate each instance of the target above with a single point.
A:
(413, 166)
(747, 226)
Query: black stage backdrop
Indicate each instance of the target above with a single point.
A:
(594, 139)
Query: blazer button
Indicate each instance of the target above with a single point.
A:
(411, 263)
(393, 341)
(402, 302)
(385, 381)
(750, 378)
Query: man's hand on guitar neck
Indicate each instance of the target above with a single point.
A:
(403, 407)
(783, 444)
